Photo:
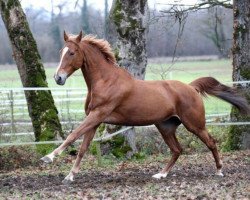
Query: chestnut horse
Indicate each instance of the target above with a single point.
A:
(115, 97)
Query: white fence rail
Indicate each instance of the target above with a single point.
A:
(100, 139)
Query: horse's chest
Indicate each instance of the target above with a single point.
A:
(94, 101)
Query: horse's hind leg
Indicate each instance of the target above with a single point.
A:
(167, 130)
(210, 142)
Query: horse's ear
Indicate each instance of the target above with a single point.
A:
(79, 37)
(66, 37)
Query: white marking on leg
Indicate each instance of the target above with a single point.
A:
(220, 162)
(69, 178)
(48, 158)
(64, 51)
(51, 156)
(219, 172)
(160, 175)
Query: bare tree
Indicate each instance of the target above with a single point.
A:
(85, 17)
(106, 12)
(213, 29)
(41, 105)
(178, 8)
(55, 29)
(215, 32)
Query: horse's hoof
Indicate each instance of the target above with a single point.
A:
(68, 179)
(160, 175)
(46, 159)
(219, 173)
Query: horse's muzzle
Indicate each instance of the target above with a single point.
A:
(60, 79)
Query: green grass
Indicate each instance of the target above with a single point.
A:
(183, 71)
(11, 79)
(190, 70)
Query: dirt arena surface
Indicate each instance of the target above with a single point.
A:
(192, 178)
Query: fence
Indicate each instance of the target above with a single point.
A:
(14, 111)
(70, 104)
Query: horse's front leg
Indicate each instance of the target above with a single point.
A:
(88, 137)
(91, 121)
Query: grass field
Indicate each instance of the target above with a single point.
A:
(183, 71)
(187, 71)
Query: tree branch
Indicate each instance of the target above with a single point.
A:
(199, 6)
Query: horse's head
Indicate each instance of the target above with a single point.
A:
(71, 58)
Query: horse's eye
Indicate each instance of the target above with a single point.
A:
(71, 53)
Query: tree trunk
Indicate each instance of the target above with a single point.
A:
(41, 107)
(129, 18)
(239, 136)
(55, 31)
(85, 17)
(128, 26)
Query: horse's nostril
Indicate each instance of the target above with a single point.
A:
(60, 79)
(57, 78)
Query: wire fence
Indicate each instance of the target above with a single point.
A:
(15, 121)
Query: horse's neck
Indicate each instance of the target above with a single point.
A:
(96, 67)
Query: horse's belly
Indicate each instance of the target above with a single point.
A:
(130, 122)
(140, 115)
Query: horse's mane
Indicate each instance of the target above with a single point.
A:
(102, 45)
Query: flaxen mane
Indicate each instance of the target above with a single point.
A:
(102, 45)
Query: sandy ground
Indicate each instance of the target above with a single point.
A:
(192, 178)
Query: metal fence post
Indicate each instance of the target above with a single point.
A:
(98, 154)
(12, 111)
(67, 106)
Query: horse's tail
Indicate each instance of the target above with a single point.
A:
(209, 85)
